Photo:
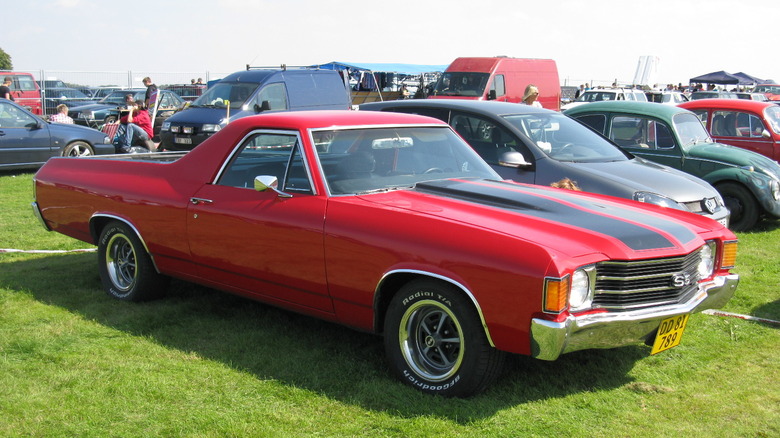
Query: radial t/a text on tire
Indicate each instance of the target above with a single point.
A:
(435, 342)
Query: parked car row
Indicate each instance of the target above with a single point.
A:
(748, 182)
(538, 146)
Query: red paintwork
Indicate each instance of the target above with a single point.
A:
(327, 256)
(769, 147)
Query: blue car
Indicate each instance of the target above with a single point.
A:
(27, 141)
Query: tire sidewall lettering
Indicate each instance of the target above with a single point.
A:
(424, 386)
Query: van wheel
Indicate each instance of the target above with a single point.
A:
(126, 269)
(435, 342)
(78, 149)
(742, 205)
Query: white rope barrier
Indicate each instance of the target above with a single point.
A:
(45, 251)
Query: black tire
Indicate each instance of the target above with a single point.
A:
(110, 119)
(435, 342)
(742, 205)
(126, 270)
(78, 149)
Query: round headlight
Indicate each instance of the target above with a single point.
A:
(706, 260)
(580, 296)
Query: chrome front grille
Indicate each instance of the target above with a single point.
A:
(646, 283)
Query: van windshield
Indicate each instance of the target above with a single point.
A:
(461, 84)
(219, 93)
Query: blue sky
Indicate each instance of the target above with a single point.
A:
(598, 40)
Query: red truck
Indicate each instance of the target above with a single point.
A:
(500, 78)
(390, 223)
(24, 90)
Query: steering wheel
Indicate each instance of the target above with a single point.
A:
(434, 170)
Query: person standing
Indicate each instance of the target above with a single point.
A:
(150, 98)
(5, 89)
(531, 95)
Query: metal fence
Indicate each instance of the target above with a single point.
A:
(126, 79)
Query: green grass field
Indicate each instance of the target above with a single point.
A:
(201, 363)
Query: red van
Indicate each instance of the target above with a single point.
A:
(24, 90)
(499, 78)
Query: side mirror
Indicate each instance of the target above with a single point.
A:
(513, 159)
(269, 182)
(492, 95)
(766, 134)
(264, 106)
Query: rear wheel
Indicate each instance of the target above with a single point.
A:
(435, 341)
(78, 149)
(742, 205)
(126, 269)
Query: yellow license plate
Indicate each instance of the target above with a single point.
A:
(669, 333)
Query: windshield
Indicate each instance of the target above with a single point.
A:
(380, 159)
(236, 93)
(461, 84)
(596, 96)
(118, 97)
(565, 139)
(772, 116)
(690, 130)
(773, 89)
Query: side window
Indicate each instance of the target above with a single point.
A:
(724, 124)
(663, 136)
(487, 138)
(630, 132)
(498, 85)
(271, 154)
(755, 125)
(275, 95)
(597, 122)
(12, 117)
(702, 115)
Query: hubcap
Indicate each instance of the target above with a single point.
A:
(121, 263)
(431, 340)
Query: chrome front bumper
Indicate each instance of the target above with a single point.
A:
(551, 339)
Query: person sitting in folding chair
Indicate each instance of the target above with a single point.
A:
(135, 129)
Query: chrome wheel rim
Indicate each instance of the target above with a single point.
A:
(431, 340)
(121, 262)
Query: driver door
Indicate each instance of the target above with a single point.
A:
(259, 243)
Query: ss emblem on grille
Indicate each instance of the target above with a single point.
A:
(710, 205)
(681, 280)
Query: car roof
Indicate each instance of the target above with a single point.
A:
(476, 106)
(738, 104)
(259, 75)
(644, 108)
(332, 119)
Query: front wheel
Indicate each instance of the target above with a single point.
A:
(435, 341)
(126, 269)
(742, 205)
(78, 149)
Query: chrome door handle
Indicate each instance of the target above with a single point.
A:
(196, 201)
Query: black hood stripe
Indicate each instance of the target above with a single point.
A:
(633, 228)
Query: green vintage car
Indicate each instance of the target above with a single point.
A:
(748, 182)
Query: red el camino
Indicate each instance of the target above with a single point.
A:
(391, 224)
(747, 124)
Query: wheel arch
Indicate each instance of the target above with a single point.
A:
(99, 221)
(392, 282)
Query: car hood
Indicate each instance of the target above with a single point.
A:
(571, 223)
(646, 176)
(735, 156)
(92, 107)
(76, 131)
